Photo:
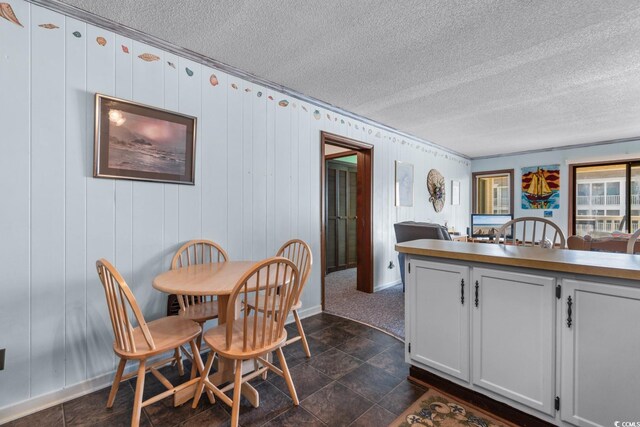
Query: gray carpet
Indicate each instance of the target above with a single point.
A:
(383, 309)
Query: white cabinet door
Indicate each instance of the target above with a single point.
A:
(600, 354)
(513, 336)
(437, 300)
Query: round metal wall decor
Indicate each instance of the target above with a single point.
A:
(435, 185)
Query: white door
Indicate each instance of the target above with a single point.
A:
(513, 336)
(600, 354)
(437, 300)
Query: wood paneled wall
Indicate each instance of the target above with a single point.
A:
(257, 185)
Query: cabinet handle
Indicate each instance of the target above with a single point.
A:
(569, 304)
(462, 291)
(477, 300)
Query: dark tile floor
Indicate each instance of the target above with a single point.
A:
(356, 376)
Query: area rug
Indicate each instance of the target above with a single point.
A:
(438, 409)
(383, 309)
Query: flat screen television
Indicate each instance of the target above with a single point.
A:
(487, 225)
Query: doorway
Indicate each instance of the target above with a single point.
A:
(346, 209)
(341, 203)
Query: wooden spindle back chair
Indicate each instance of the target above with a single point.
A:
(270, 283)
(200, 308)
(141, 342)
(196, 252)
(251, 335)
(531, 231)
(119, 297)
(299, 252)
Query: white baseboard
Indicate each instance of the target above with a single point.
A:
(306, 312)
(386, 285)
(38, 403)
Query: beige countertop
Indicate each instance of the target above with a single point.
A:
(603, 264)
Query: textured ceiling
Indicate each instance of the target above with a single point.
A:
(480, 77)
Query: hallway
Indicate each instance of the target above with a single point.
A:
(383, 309)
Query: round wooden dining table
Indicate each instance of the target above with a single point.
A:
(217, 279)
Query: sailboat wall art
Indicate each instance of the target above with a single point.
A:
(541, 187)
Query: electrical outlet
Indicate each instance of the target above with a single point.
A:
(2, 359)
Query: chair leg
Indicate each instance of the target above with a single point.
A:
(197, 362)
(237, 387)
(303, 337)
(178, 360)
(194, 369)
(116, 383)
(203, 377)
(287, 377)
(256, 366)
(268, 357)
(137, 401)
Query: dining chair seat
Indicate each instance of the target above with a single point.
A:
(167, 332)
(216, 339)
(200, 312)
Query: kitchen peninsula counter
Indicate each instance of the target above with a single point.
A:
(602, 264)
(549, 334)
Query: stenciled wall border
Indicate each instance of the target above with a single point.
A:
(140, 36)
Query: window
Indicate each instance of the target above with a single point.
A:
(613, 193)
(635, 191)
(613, 188)
(493, 192)
(598, 193)
(584, 193)
(584, 190)
(605, 197)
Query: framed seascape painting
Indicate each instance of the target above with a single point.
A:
(135, 141)
(404, 184)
